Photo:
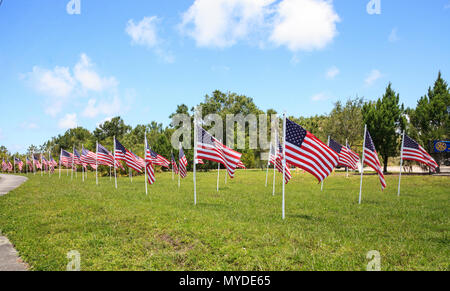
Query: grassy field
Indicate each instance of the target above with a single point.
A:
(239, 228)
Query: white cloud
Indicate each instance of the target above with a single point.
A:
(296, 24)
(89, 79)
(145, 33)
(68, 121)
(111, 106)
(304, 24)
(373, 77)
(29, 125)
(332, 73)
(393, 37)
(55, 83)
(320, 97)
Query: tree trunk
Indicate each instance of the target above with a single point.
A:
(385, 160)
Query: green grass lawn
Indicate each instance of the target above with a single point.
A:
(239, 228)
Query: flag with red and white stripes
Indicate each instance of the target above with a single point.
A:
(279, 163)
(199, 162)
(19, 163)
(37, 162)
(159, 160)
(183, 163)
(88, 158)
(149, 166)
(305, 151)
(174, 165)
(241, 165)
(4, 166)
(272, 155)
(30, 164)
(371, 159)
(414, 152)
(104, 156)
(209, 148)
(10, 166)
(346, 156)
(123, 154)
(66, 158)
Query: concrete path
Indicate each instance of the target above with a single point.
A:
(9, 258)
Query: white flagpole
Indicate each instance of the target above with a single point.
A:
(274, 176)
(195, 157)
(179, 173)
(328, 144)
(42, 166)
(114, 155)
(82, 166)
(145, 161)
(73, 161)
(110, 173)
(268, 164)
(96, 163)
(284, 164)
(60, 164)
(401, 163)
(173, 177)
(346, 144)
(218, 176)
(34, 168)
(49, 172)
(362, 163)
(14, 164)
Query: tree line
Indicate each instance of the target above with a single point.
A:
(386, 118)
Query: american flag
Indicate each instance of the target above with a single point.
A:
(199, 162)
(371, 159)
(4, 166)
(88, 157)
(272, 155)
(241, 165)
(19, 163)
(414, 152)
(174, 165)
(122, 154)
(44, 162)
(66, 159)
(209, 148)
(104, 156)
(52, 163)
(140, 160)
(159, 160)
(30, 164)
(279, 163)
(183, 163)
(346, 156)
(77, 157)
(354, 156)
(10, 166)
(37, 163)
(149, 166)
(305, 151)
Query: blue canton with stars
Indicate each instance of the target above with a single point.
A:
(295, 134)
(335, 146)
(120, 147)
(369, 143)
(205, 137)
(410, 143)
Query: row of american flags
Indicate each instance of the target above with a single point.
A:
(298, 148)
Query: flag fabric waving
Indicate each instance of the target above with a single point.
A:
(149, 166)
(66, 158)
(183, 163)
(120, 151)
(241, 165)
(414, 152)
(199, 162)
(37, 163)
(371, 159)
(104, 156)
(10, 166)
(159, 160)
(209, 148)
(272, 155)
(346, 157)
(30, 164)
(305, 151)
(354, 157)
(122, 154)
(77, 157)
(4, 166)
(44, 163)
(134, 162)
(19, 163)
(174, 165)
(279, 163)
(88, 158)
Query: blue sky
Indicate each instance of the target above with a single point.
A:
(139, 59)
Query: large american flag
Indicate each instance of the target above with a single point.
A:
(414, 152)
(346, 156)
(149, 166)
(305, 151)
(279, 163)
(159, 160)
(122, 154)
(183, 163)
(19, 163)
(104, 156)
(209, 148)
(371, 159)
(66, 159)
(174, 165)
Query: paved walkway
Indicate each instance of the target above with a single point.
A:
(9, 258)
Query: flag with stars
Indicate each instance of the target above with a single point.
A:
(371, 159)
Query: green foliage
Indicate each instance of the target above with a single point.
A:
(116, 127)
(239, 228)
(384, 122)
(431, 120)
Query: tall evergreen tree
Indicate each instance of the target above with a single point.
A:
(385, 121)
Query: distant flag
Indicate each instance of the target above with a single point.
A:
(174, 165)
(19, 163)
(104, 156)
(272, 155)
(183, 163)
(44, 163)
(66, 158)
(77, 157)
(52, 163)
(199, 162)
(209, 148)
(346, 158)
(414, 152)
(37, 162)
(30, 164)
(4, 166)
(371, 158)
(279, 163)
(149, 165)
(122, 154)
(88, 158)
(10, 166)
(305, 151)
(159, 160)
